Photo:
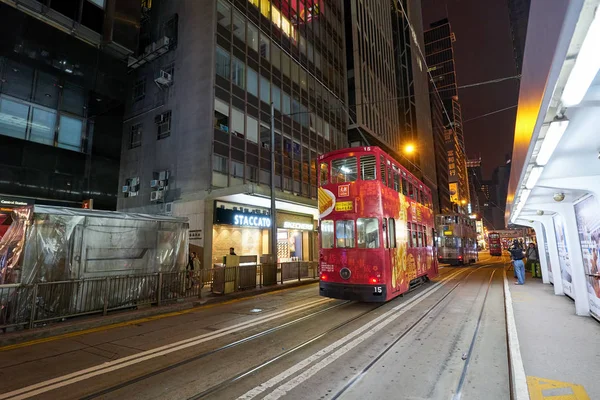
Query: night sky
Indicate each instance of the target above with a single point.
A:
(483, 51)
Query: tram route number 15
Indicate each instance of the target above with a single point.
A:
(377, 289)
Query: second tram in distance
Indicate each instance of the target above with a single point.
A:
(457, 241)
(495, 244)
(376, 226)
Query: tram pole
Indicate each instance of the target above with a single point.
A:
(273, 206)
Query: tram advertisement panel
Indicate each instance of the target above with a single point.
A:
(563, 255)
(588, 225)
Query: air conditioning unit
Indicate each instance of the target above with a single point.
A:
(156, 196)
(154, 183)
(164, 78)
(125, 189)
(162, 42)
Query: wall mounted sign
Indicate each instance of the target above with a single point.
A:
(242, 219)
(298, 225)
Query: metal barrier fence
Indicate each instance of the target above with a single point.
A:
(28, 305)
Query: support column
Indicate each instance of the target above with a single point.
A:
(548, 223)
(541, 245)
(582, 304)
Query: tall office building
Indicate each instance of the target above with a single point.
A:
(444, 204)
(518, 12)
(439, 52)
(388, 90)
(475, 183)
(196, 138)
(63, 67)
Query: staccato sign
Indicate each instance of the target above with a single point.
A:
(242, 219)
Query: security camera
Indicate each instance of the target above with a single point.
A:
(559, 197)
(540, 212)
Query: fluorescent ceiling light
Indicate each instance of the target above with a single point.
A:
(586, 66)
(524, 196)
(534, 175)
(553, 135)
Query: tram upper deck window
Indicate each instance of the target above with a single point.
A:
(368, 233)
(382, 169)
(397, 187)
(327, 238)
(344, 170)
(411, 190)
(344, 234)
(404, 186)
(368, 166)
(324, 176)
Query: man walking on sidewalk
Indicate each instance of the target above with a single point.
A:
(516, 254)
(533, 260)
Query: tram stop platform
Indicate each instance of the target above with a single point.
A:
(560, 351)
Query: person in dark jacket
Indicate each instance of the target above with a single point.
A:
(533, 260)
(517, 255)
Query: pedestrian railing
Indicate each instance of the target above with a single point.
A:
(26, 306)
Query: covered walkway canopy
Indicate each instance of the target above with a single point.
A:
(555, 179)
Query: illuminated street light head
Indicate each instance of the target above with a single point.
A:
(409, 148)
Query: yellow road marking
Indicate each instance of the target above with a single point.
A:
(134, 322)
(546, 389)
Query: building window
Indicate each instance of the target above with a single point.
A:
(252, 82)
(265, 90)
(224, 14)
(253, 37)
(237, 169)
(237, 122)
(221, 119)
(265, 44)
(13, 118)
(69, 133)
(237, 73)
(220, 164)
(251, 129)
(135, 136)
(139, 90)
(222, 63)
(239, 26)
(163, 121)
(42, 126)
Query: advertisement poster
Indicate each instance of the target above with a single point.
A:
(588, 225)
(563, 255)
(547, 254)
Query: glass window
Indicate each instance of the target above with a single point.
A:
(222, 63)
(135, 136)
(287, 107)
(69, 133)
(13, 118)
(221, 119)
(344, 170)
(237, 169)
(392, 232)
(368, 233)
(253, 37)
(42, 126)
(220, 164)
(414, 235)
(237, 72)
(264, 7)
(275, 56)
(326, 132)
(164, 125)
(367, 168)
(397, 187)
(252, 82)
(265, 47)
(411, 190)
(344, 234)
(265, 90)
(324, 174)
(327, 234)
(382, 169)
(420, 236)
(390, 177)
(251, 129)
(73, 99)
(285, 64)
(139, 90)
(276, 97)
(410, 237)
(239, 27)
(224, 14)
(237, 122)
(404, 187)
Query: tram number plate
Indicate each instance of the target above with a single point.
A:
(377, 289)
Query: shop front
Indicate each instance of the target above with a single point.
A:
(247, 230)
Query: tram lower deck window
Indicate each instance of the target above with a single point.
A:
(344, 234)
(327, 238)
(368, 233)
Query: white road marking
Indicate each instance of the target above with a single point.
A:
(120, 363)
(373, 327)
(518, 370)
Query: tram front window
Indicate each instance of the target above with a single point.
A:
(368, 233)
(344, 234)
(451, 242)
(327, 234)
(344, 170)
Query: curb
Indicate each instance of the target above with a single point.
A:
(518, 379)
(116, 318)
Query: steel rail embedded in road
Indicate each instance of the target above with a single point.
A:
(358, 376)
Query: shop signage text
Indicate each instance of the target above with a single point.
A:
(344, 206)
(251, 221)
(297, 225)
(13, 202)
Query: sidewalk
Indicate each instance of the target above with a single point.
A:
(560, 350)
(142, 314)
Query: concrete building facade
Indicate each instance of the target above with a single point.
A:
(196, 139)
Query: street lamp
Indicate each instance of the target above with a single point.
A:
(409, 148)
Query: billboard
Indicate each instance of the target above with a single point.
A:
(563, 255)
(588, 225)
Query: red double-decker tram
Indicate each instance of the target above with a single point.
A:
(495, 244)
(376, 226)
